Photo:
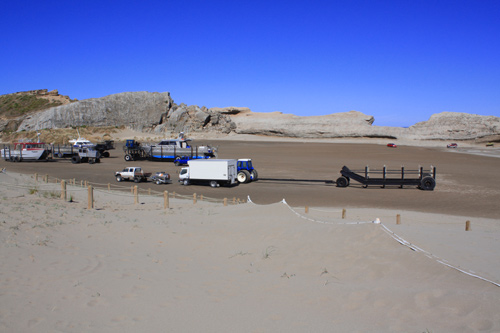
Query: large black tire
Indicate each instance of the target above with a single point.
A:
(243, 176)
(137, 180)
(427, 183)
(119, 178)
(177, 161)
(128, 158)
(185, 182)
(254, 175)
(213, 183)
(75, 159)
(105, 154)
(158, 182)
(91, 160)
(342, 182)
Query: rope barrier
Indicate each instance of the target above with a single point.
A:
(393, 235)
(400, 240)
(430, 255)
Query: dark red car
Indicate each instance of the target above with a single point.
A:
(392, 145)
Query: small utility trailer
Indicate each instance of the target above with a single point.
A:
(401, 177)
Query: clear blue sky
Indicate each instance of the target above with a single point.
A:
(399, 61)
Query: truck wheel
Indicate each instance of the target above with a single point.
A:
(427, 184)
(177, 160)
(75, 159)
(105, 154)
(185, 182)
(243, 176)
(213, 183)
(91, 160)
(254, 175)
(342, 182)
(119, 178)
(128, 158)
(137, 179)
(158, 182)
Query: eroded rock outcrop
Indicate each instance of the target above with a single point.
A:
(156, 112)
(141, 111)
(455, 126)
(137, 110)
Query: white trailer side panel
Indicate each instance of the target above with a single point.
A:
(212, 169)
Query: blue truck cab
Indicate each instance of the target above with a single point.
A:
(246, 172)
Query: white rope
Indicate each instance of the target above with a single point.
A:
(324, 222)
(430, 255)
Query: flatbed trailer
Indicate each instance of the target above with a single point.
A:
(402, 177)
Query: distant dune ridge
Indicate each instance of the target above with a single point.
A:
(157, 113)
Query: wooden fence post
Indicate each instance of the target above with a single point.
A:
(467, 225)
(194, 198)
(46, 178)
(63, 190)
(90, 204)
(225, 201)
(166, 203)
(136, 194)
(36, 177)
(307, 209)
(109, 187)
(343, 213)
(398, 219)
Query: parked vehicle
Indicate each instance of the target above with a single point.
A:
(452, 145)
(392, 145)
(215, 172)
(161, 178)
(489, 144)
(104, 146)
(25, 151)
(86, 155)
(177, 150)
(246, 171)
(133, 174)
(74, 144)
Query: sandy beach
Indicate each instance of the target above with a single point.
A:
(244, 267)
(279, 257)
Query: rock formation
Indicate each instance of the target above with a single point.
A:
(157, 113)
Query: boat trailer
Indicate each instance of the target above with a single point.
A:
(402, 177)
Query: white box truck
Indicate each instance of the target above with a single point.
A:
(214, 172)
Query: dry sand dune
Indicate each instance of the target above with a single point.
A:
(205, 267)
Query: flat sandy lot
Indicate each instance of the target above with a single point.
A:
(303, 173)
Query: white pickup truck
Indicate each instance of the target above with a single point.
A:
(132, 173)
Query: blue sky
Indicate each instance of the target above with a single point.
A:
(399, 61)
